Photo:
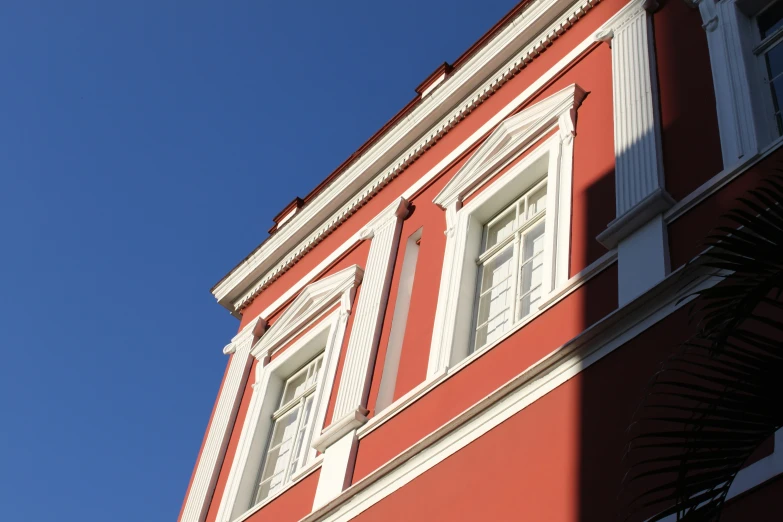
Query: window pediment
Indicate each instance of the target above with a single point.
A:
(510, 138)
(313, 300)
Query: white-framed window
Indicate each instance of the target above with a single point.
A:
(293, 382)
(511, 266)
(288, 449)
(508, 229)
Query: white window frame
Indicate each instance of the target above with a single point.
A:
(515, 240)
(744, 103)
(553, 158)
(324, 332)
(304, 422)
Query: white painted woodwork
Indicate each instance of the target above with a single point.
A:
(219, 432)
(384, 235)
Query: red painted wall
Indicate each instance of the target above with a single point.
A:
(557, 460)
(686, 234)
(560, 458)
(488, 372)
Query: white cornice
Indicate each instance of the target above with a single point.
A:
(487, 70)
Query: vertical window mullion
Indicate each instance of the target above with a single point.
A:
(515, 264)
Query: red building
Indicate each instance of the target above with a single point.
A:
(459, 322)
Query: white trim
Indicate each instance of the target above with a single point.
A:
(513, 136)
(339, 428)
(640, 194)
(451, 334)
(642, 259)
(732, 91)
(534, 29)
(559, 366)
(423, 388)
(402, 302)
(435, 171)
(384, 232)
(219, 432)
(298, 477)
(337, 469)
(437, 81)
(315, 299)
(308, 308)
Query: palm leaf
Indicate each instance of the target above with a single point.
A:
(718, 398)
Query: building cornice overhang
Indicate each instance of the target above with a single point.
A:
(521, 40)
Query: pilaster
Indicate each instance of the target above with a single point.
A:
(350, 407)
(640, 194)
(219, 432)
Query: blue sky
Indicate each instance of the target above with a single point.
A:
(144, 149)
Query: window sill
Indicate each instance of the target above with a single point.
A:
(557, 295)
(598, 266)
(297, 478)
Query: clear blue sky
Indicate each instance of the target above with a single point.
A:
(144, 148)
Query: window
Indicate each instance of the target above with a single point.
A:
(769, 50)
(508, 229)
(291, 389)
(292, 431)
(511, 266)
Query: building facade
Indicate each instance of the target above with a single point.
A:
(460, 321)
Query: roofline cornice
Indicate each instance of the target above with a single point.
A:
(522, 39)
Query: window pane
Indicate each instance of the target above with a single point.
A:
(536, 202)
(279, 454)
(501, 229)
(294, 387)
(532, 269)
(314, 371)
(494, 313)
(771, 20)
(302, 446)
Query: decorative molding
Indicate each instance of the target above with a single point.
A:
(637, 132)
(365, 334)
(314, 300)
(463, 230)
(430, 120)
(478, 135)
(336, 430)
(562, 364)
(510, 139)
(723, 23)
(270, 379)
(655, 203)
(220, 427)
(337, 468)
(638, 231)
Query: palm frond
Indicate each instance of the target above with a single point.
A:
(718, 398)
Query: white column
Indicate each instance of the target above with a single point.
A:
(219, 432)
(639, 182)
(446, 310)
(732, 90)
(337, 441)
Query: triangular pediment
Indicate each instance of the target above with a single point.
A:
(312, 301)
(511, 138)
